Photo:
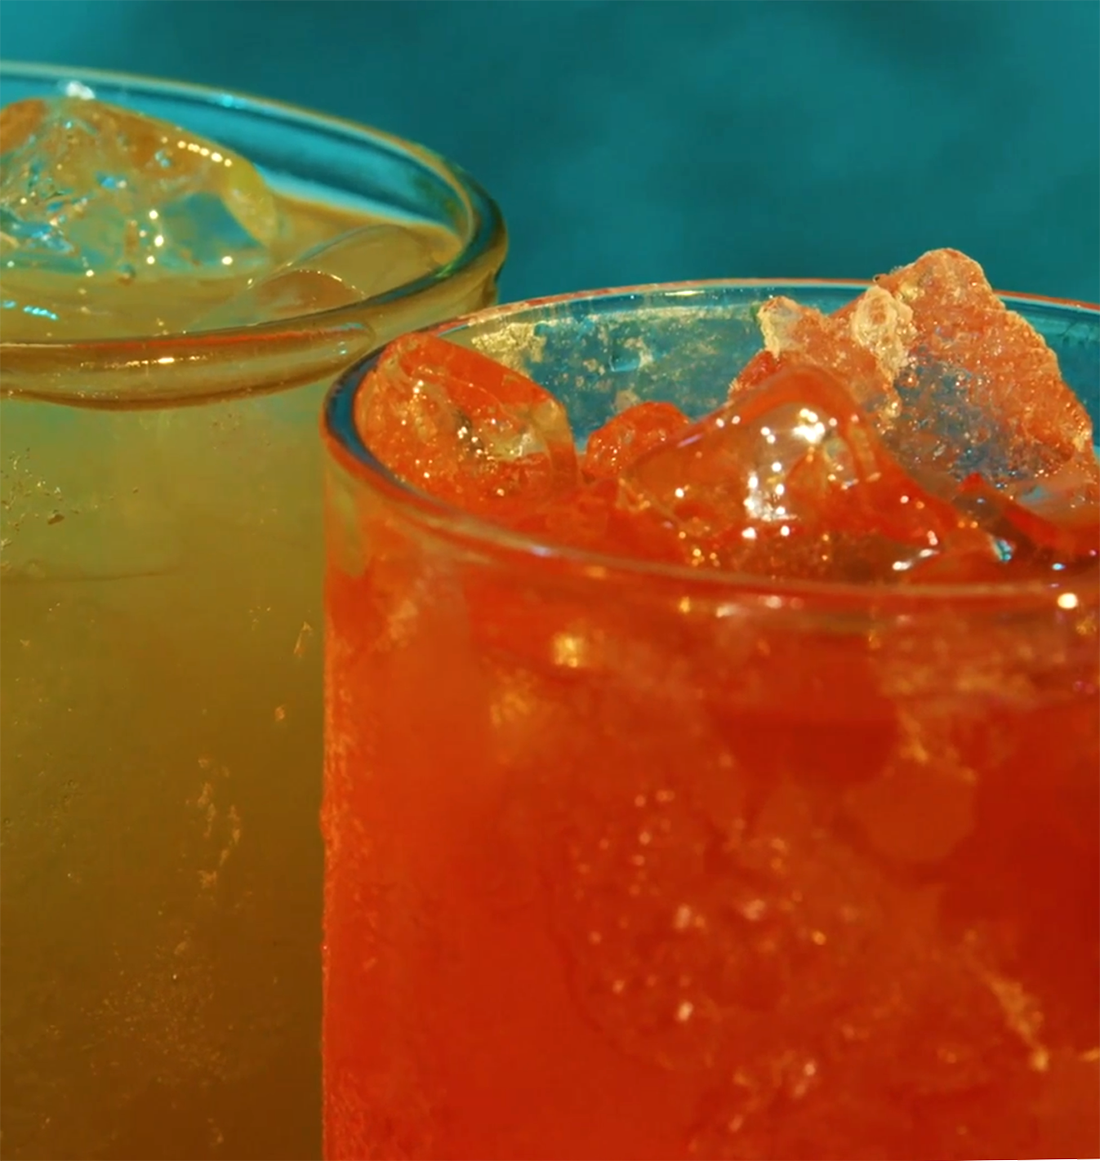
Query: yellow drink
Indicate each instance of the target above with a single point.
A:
(160, 692)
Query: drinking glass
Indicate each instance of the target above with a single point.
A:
(160, 675)
(626, 860)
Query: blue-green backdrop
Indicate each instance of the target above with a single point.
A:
(639, 141)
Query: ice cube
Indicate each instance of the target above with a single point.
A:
(455, 424)
(957, 385)
(1057, 532)
(355, 266)
(865, 345)
(790, 480)
(98, 202)
(981, 391)
(85, 185)
(626, 436)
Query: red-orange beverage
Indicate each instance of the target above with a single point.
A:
(727, 788)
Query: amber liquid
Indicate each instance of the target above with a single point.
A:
(160, 684)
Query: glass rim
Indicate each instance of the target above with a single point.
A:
(487, 234)
(348, 450)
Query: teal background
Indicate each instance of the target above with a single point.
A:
(631, 142)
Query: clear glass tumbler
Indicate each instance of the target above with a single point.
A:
(160, 676)
(630, 861)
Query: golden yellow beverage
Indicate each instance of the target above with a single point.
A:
(160, 690)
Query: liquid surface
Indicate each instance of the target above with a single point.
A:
(650, 868)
